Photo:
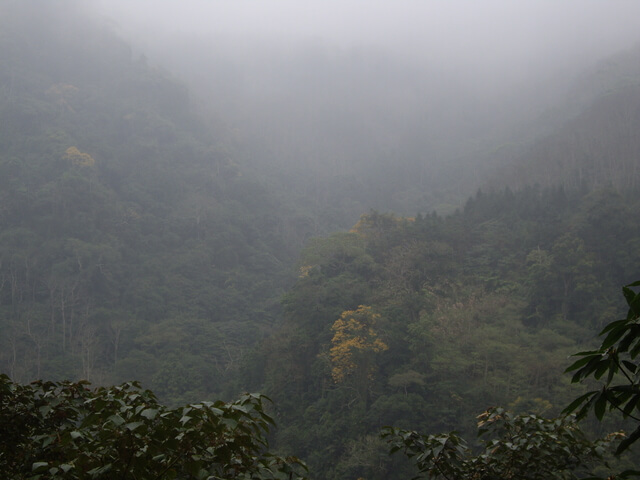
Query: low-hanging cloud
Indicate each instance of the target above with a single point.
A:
(460, 31)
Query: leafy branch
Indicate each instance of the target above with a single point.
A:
(617, 359)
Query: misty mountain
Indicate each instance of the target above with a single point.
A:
(339, 129)
(126, 226)
(345, 129)
(169, 209)
(424, 322)
(599, 146)
(119, 201)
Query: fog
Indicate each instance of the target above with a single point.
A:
(465, 34)
(401, 94)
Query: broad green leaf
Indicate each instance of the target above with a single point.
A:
(633, 353)
(613, 325)
(131, 426)
(588, 369)
(631, 404)
(96, 472)
(600, 405)
(116, 420)
(603, 367)
(629, 295)
(38, 465)
(613, 337)
(631, 337)
(632, 367)
(583, 361)
(149, 413)
(635, 305)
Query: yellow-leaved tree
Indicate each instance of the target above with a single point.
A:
(354, 347)
(79, 158)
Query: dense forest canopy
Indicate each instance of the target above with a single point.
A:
(123, 216)
(224, 226)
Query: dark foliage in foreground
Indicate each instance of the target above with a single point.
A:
(70, 431)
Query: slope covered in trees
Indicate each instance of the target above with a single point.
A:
(598, 146)
(447, 316)
(135, 244)
(130, 240)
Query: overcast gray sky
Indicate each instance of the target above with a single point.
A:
(457, 28)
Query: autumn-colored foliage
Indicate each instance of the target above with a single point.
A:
(79, 158)
(354, 343)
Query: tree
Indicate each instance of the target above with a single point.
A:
(404, 379)
(515, 447)
(69, 431)
(354, 346)
(76, 157)
(615, 361)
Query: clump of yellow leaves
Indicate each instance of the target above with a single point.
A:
(354, 344)
(305, 270)
(79, 158)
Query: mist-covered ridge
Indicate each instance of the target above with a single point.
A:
(374, 214)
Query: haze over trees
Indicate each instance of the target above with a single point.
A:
(117, 210)
(369, 234)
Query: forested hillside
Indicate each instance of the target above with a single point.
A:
(596, 145)
(130, 240)
(142, 237)
(424, 322)
(598, 148)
